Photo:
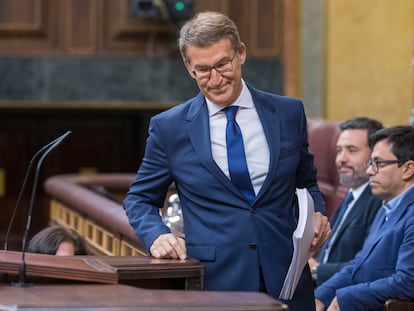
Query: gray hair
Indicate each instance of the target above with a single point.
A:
(205, 29)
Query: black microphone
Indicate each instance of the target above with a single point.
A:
(42, 153)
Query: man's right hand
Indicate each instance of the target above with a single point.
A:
(313, 263)
(169, 246)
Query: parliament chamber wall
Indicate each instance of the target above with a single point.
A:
(90, 67)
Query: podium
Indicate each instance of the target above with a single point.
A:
(148, 272)
(111, 283)
(142, 271)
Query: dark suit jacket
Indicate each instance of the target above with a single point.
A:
(351, 235)
(232, 238)
(384, 268)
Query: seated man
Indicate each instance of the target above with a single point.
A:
(57, 240)
(352, 220)
(384, 268)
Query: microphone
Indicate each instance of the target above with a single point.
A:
(42, 153)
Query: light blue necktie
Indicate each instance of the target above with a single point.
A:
(236, 158)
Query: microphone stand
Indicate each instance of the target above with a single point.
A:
(45, 150)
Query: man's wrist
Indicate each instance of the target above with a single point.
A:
(314, 272)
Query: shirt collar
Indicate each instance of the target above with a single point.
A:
(358, 191)
(244, 100)
(392, 204)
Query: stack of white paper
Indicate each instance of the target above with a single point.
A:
(302, 239)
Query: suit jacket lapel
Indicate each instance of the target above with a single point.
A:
(355, 211)
(396, 215)
(394, 218)
(379, 228)
(199, 133)
(271, 127)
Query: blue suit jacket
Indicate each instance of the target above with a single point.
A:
(230, 236)
(351, 235)
(384, 268)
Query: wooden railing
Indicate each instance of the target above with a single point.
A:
(91, 205)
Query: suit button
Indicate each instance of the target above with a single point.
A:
(252, 246)
(253, 210)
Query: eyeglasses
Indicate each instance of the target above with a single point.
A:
(224, 66)
(377, 164)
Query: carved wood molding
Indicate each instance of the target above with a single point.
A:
(124, 34)
(105, 27)
(81, 26)
(29, 26)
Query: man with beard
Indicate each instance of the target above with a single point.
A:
(352, 220)
(384, 267)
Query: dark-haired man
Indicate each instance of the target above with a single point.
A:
(384, 268)
(352, 220)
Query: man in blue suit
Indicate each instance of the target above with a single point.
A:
(241, 230)
(384, 268)
(352, 220)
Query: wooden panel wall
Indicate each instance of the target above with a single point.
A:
(106, 140)
(30, 27)
(101, 141)
(105, 27)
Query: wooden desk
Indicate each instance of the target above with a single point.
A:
(123, 297)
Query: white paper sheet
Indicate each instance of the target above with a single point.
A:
(302, 239)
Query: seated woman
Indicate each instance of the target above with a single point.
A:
(57, 240)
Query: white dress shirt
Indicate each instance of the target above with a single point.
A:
(356, 193)
(254, 140)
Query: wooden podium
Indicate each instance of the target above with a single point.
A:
(104, 283)
(148, 272)
(142, 271)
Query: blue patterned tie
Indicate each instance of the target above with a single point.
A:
(236, 158)
(344, 206)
